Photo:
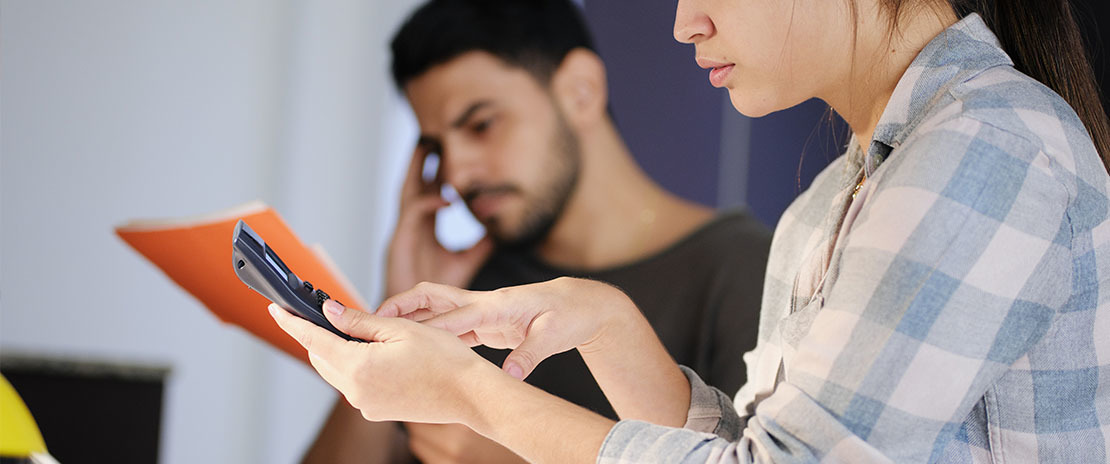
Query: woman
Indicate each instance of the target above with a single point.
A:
(934, 296)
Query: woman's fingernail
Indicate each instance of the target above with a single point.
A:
(515, 371)
(273, 310)
(334, 308)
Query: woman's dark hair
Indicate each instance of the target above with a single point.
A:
(535, 35)
(1043, 39)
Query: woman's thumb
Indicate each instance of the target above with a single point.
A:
(523, 360)
(357, 323)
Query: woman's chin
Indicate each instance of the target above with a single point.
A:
(755, 107)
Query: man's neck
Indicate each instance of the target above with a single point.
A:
(616, 214)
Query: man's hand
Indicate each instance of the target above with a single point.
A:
(455, 444)
(414, 253)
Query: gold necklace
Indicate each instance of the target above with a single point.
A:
(859, 186)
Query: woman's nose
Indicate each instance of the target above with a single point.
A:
(691, 25)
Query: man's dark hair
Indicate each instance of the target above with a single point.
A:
(535, 35)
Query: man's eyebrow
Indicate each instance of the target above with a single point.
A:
(432, 143)
(470, 110)
(428, 142)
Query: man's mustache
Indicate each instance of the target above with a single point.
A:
(474, 192)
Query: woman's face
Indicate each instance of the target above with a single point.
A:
(769, 54)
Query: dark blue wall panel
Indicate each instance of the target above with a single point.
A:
(788, 149)
(671, 117)
(663, 103)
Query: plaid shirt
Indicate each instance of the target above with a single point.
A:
(956, 310)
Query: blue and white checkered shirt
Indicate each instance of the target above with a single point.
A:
(956, 310)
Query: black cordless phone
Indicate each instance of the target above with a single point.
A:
(263, 271)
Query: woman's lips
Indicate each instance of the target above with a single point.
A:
(719, 71)
(718, 75)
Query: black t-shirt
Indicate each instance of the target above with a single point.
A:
(702, 295)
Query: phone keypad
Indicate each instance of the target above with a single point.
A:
(320, 295)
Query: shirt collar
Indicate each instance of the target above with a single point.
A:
(962, 51)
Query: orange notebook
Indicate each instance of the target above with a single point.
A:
(196, 254)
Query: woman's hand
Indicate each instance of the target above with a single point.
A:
(415, 373)
(409, 371)
(535, 321)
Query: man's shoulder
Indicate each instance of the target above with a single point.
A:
(735, 223)
(732, 237)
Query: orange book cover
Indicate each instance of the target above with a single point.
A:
(196, 254)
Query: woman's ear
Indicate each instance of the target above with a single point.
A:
(580, 88)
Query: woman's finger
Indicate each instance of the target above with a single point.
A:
(427, 296)
(460, 321)
(470, 338)
(541, 342)
(313, 338)
(419, 315)
(362, 325)
(326, 371)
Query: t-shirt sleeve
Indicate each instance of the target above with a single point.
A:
(737, 296)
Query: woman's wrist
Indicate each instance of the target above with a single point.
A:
(632, 366)
(520, 417)
(617, 315)
(472, 388)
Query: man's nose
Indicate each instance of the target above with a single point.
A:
(462, 166)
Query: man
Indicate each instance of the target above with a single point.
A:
(512, 98)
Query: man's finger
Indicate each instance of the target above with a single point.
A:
(414, 179)
(423, 207)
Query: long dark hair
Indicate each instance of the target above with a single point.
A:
(1043, 39)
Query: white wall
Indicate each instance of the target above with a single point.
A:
(121, 109)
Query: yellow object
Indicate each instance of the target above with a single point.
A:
(19, 435)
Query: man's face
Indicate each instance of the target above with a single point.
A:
(503, 143)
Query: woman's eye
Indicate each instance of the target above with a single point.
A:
(481, 126)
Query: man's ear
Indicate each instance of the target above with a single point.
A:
(580, 88)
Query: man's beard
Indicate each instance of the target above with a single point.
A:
(540, 215)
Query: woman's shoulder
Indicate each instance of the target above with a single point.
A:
(1003, 145)
(999, 119)
(1005, 112)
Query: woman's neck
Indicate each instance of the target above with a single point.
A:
(881, 59)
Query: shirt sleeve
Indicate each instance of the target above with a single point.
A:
(953, 269)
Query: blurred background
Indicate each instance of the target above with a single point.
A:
(121, 109)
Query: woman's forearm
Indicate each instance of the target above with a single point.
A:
(635, 371)
(534, 424)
